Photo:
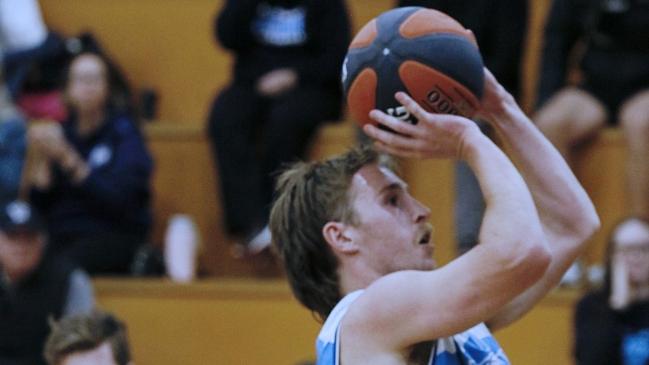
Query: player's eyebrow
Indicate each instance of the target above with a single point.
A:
(393, 186)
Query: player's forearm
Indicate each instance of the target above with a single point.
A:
(562, 203)
(506, 195)
(565, 210)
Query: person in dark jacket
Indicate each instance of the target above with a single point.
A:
(34, 286)
(92, 179)
(286, 82)
(612, 323)
(607, 44)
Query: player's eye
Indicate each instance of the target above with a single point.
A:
(392, 200)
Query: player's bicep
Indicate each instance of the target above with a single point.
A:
(409, 307)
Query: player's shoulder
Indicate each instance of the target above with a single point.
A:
(379, 295)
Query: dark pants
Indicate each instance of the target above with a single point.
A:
(108, 253)
(17, 64)
(252, 137)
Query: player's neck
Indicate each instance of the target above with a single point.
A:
(356, 276)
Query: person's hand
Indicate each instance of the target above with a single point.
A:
(636, 107)
(621, 295)
(434, 136)
(37, 170)
(48, 139)
(277, 82)
(496, 101)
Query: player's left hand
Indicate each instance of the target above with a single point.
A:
(496, 101)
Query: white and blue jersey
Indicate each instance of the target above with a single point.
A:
(476, 346)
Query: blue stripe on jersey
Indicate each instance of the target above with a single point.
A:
(476, 346)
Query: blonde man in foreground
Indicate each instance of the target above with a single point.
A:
(358, 247)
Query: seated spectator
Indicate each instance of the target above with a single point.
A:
(610, 39)
(34, 286)
(612, 324)
(288, 55)
(94, 339)
(92, 177)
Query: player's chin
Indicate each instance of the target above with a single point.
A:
(427, 264)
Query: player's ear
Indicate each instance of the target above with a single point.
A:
(338, 237)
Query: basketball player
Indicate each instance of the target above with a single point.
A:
(357, 246)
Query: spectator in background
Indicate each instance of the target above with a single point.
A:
(24, 41)
(612, 324)
(34, 286)
(609, 40)
(500, 27)
(94, 339)
(92, 177)
(288, 55)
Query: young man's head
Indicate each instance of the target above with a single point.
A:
(97, 339)
(350, 212)
(22, 240)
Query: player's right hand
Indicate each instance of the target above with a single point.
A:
(434, 136)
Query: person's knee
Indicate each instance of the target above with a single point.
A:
(634, 117)
(570, 115)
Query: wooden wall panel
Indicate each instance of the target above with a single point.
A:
(168, 45)
(211, 322)
(259, 322)
(161, 44)
(185, 182)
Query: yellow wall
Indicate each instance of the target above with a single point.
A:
(259, 322)
(165, 44)
(214, 322)
(168, 45)
(162, 44)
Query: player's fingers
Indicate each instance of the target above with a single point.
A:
(389, 138)
(432, 119)
(411, 105)
(399, 126)
(401, 152)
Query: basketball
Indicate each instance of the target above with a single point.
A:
(423, 52)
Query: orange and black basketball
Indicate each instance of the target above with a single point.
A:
(423, 52)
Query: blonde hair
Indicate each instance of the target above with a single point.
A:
(308, 195)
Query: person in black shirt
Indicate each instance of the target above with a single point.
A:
(287, 60)
(608, 43)
(34, 286)
(92, 176)
(612, 324)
